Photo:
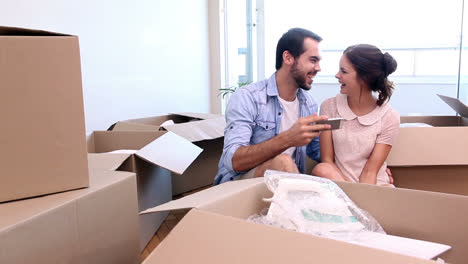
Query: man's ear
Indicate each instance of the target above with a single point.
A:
(288, 58)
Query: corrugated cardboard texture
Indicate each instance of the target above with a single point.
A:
(455, 104)
(199, 130)
(105, 141)
(153, 182)
(204, 237)
(199, 115)
(171, 152)
(430, 146)
(431, 158)
(428, 216)
(43, 143)
(204, 199)
(206, 133)
(109, 161)
(446, 179)
(126, 126)
(191, 128)
(158, 120)
(203, 170)
(154, 188)
(98, 224)
(164, 149)
(437, 121)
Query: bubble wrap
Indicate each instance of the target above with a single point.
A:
(313, 205)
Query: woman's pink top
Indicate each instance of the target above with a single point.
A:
(354, 142)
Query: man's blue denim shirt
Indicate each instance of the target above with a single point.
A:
(253, 115)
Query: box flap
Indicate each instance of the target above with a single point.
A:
(16, 31)
(207, 196)
(455, 104)
(199, 115)
(207, 237)
(106, 161)
(171, 152)
(199, 130)
(128, 126)
(430, 146)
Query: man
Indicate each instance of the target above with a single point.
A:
(270, 123)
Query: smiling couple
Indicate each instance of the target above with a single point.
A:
(271, 124)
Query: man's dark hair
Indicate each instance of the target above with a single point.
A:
(293, 41)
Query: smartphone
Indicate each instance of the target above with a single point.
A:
(334, 122)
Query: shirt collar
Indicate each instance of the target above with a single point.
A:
(272, 89)
(367, 119)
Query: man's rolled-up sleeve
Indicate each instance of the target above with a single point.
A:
(240, 116)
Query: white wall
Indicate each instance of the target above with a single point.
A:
(139, 58)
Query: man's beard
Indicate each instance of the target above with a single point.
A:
(300, 77)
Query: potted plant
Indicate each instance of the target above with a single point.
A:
(231, 89)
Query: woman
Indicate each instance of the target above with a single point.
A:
(357, 152)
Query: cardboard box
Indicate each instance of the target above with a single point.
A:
(204, 130)
(433, 158)
(43, 143)
(216, 230)
(158, 154)
(98, 224)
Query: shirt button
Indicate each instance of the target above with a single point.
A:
(279, 113)
(266, 127)
(231, 127)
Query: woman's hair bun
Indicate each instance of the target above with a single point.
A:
(389, 64)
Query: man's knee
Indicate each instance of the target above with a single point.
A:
(283, 159)
(284, 162)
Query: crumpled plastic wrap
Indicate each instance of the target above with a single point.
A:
(313, 205)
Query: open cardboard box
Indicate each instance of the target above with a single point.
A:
(156, 155)
(42, 139)
(97, 225)
(204, 130)
(216, 230)
(433, 158)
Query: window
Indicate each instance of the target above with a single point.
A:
(424, 36)
(238, 40)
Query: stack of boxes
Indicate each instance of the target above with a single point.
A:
(433, 158)
(64, 192)
(68, 199)
(53, 207)
(168, 159)
(144, 156)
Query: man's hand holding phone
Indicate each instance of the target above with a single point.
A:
(335, 123)
(305, 129)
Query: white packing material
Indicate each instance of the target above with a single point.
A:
(313, 205)
(318, 206)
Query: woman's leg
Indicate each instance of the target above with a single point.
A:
(326, 170)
